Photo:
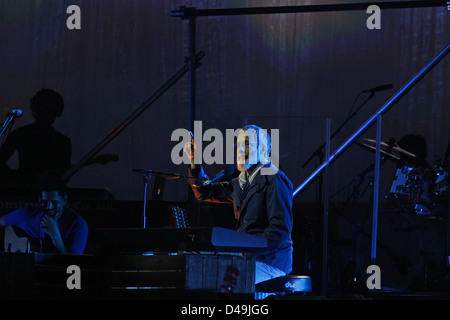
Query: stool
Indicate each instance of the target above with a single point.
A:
(283, 285)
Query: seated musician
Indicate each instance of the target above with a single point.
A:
(262, 202)
(52, 227)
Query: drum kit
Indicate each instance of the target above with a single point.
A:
(413, 239)
(415, 187)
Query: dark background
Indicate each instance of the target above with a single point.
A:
(285, 71)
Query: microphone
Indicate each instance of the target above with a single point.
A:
(228, 171)
(10, 118)
(15, 113)
(380, 88)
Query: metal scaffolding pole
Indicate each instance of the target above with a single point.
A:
(385, 108)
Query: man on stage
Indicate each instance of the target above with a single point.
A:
(261, 197)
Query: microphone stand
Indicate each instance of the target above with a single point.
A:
(146, 177)
(318, 151)
(9, 120)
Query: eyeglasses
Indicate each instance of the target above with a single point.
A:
(246, 144)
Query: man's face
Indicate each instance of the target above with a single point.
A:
(247, 150)
(52, 203)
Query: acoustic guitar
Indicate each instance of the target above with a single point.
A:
(15, 241)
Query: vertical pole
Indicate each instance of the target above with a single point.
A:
(325, 213)
(192, 74)
(373, 254)
(146, 177)
(192, 85)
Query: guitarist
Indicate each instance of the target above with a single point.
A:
(55, 227)
(41, 148)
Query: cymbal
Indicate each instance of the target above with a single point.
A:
(372, 148)
(385, 145)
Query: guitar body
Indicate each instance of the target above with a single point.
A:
(15, 243)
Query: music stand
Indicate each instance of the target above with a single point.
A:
(146, 175)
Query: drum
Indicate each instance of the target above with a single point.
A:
(441, 181)
(440, 191)
(411, 252)
(412, 190)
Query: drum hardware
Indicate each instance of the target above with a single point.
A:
(412, 252)
(412, 189)
(402, 186)
(441, 180)
(441, 194)
(421, 261)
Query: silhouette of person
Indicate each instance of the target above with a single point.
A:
(42, 150)
(417, 145)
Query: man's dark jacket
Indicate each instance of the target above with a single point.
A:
(263, 208)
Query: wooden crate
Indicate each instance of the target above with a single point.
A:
(220, 273)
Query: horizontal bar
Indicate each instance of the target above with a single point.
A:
(369, 122)
(186, 12)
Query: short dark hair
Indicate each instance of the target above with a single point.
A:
(48, 101)
(53, 183)
(414, 143)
